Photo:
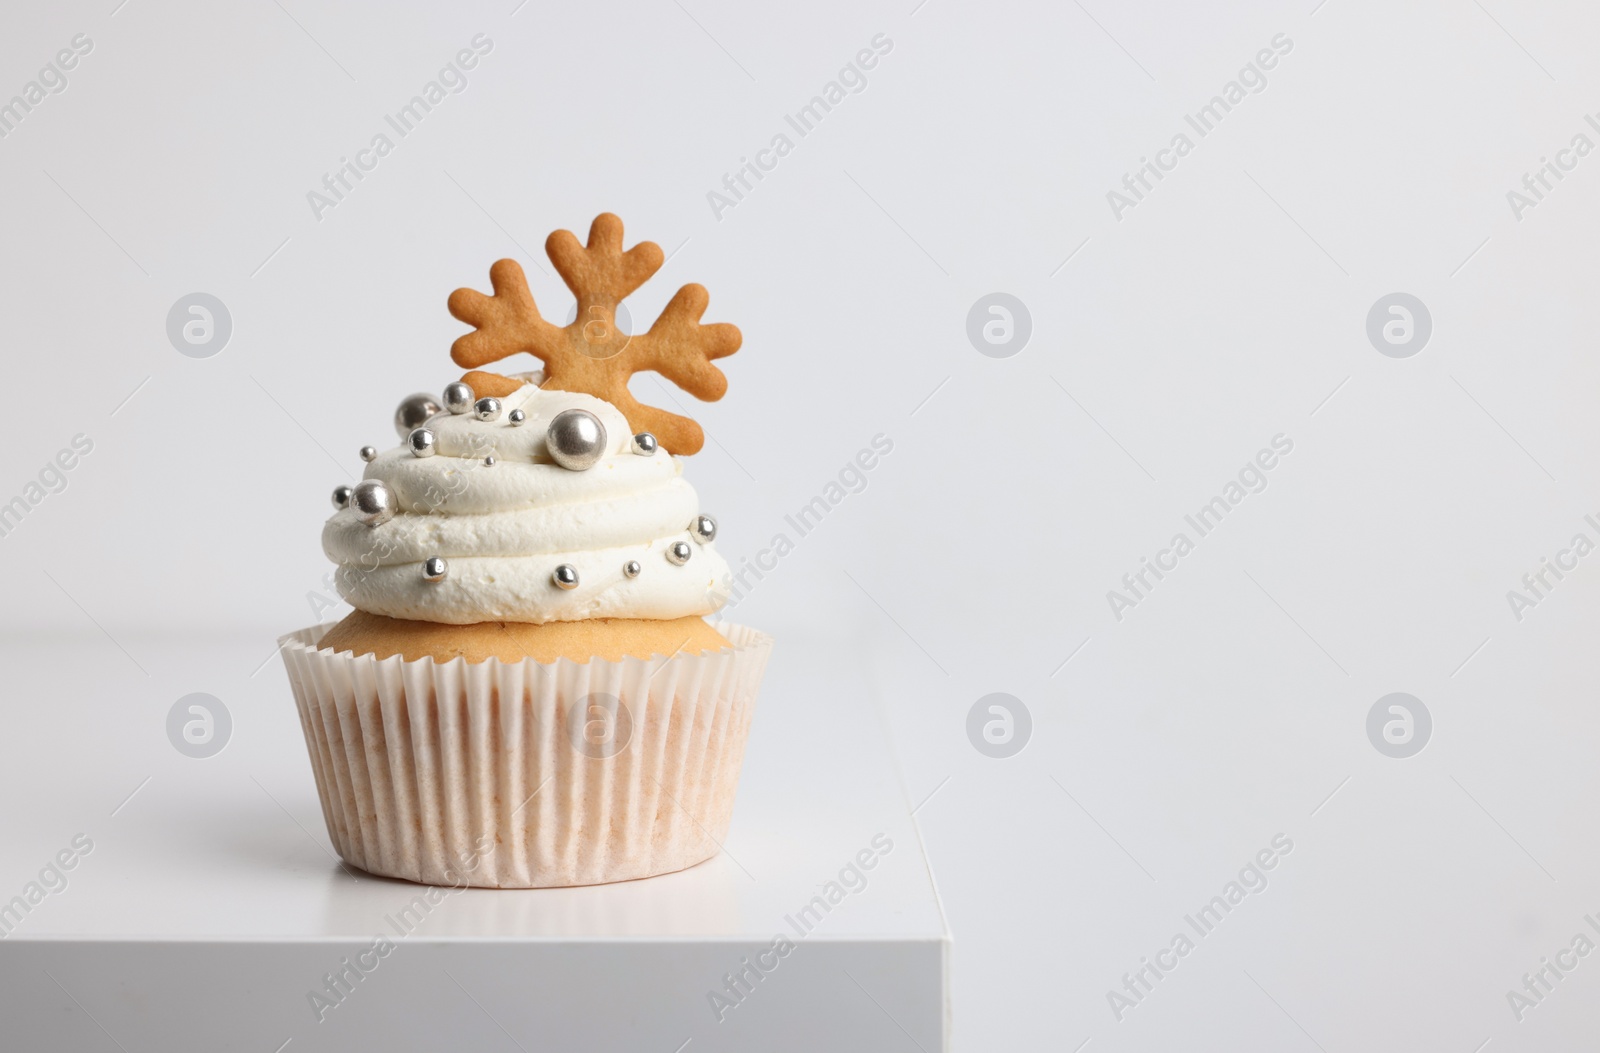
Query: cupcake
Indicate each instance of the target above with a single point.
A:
(527, 692)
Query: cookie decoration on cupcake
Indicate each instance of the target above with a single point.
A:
(592, 355)
(530, 547)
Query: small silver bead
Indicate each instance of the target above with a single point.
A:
(369, 453)
(341, 496)
(435, 569)
(703, 529)
(631, 569)
(678, 553)
(487, 409)
(373, 502)
(458, 397)
(644, 444)
(423, 442)
(516, 417)
(414, 411)
(489, 461)
(565, 577)
(576, 440)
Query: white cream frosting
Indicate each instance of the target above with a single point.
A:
(503, 529)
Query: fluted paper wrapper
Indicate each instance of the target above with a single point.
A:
(526, 774)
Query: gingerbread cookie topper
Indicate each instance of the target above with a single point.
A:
(591, 355)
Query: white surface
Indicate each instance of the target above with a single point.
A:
(221, 868)
(1167, 348)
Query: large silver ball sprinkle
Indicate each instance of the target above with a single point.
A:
(369, 453)
(565, 577)
(423, 442)
(435, 569)
(576, 439)
(414, 412)
(678, 553)
(703, 529)
(373, 502)
(516, 417)
(341, 496)
(489, 461)
(631, 569)
(458, 397)
(644, 444)
(487, 409)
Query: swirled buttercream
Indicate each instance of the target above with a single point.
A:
(504, 527)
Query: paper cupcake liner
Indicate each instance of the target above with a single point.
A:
(526, 775)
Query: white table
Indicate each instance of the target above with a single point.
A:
(210, 905)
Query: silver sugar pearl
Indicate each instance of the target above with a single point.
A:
(703, 529)
(631, 569)
(341, 496)
(678, 553)
(458, 397)
(487, 409)
(373, 502)
(369, 453)
(644, 444)
(565, 577)
(576, 440)
(489, 461)
(414, 411)
(516, 417)
(435, 569)
(423, 442)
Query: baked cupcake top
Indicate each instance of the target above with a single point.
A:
(531, 498)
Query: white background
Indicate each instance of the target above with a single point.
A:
(1228, 306)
